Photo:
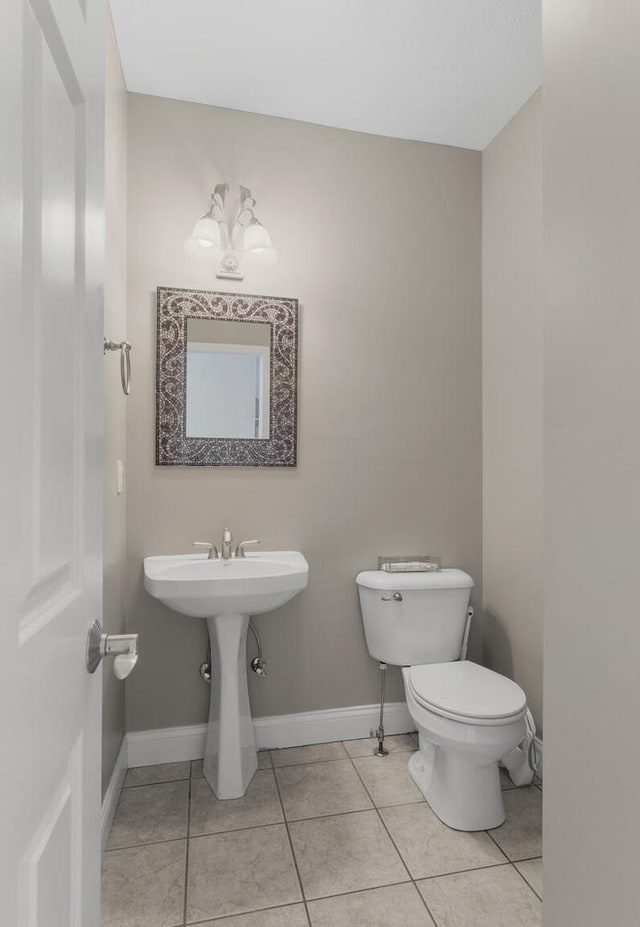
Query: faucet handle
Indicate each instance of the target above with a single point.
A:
(211, 548)
(241, 546)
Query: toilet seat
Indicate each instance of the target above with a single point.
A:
(466, 692)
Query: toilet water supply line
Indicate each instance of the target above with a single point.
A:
(465, 636)
(381, 750)
(532, 747)
(258, 664)
(530, 725)
(379, 733)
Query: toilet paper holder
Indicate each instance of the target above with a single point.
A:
(123, 647)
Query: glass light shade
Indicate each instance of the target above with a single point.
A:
(256, 237)
(207, 253)
(207, 232)
(264, 256)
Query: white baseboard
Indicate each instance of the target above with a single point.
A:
(111, 796)
(319, 727)
(166, 745)
(176, 744)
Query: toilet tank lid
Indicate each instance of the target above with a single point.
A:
(440, 579)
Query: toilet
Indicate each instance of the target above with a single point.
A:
(470, 719)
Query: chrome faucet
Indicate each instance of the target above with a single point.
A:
(227, 544)
(226, 551)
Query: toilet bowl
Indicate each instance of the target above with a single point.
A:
(468, 719)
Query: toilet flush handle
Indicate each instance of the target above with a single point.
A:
(396, 597)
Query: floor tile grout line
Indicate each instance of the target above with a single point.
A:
(489, 834)
(425, 878)
(285, 820)
(360, 891)
(525, 880)
(410, 881)
(504, 852)
(342, 759)
(128, 790)
(145, 785)
(293, 852)
(227, 917)
(429, 878)
(330, 759)
(445, 875)
(393, 843)
(375, 807)
(151, 843)
(333, 759)
(157, 842)
(186, 861)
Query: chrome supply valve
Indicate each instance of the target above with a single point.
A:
(259, 666)
(124, 647)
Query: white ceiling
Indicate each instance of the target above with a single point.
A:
(447, 71)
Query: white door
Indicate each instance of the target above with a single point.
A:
(51, 154)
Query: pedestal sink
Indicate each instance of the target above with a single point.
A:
(227, 593)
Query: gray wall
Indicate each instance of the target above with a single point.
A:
(513, 313)
(115, 327)
(592, 462)
(380, 240)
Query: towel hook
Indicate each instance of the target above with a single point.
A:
(125, 361)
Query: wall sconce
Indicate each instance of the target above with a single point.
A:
(215, 240)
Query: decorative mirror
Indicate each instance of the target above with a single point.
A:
(226, 386)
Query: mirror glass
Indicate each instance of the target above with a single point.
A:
(226, 382)
(228, 376)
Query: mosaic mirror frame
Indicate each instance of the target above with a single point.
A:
(173, 447)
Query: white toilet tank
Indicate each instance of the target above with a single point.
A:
(414, 618)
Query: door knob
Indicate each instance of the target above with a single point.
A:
(123, 647)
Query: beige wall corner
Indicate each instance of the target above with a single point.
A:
(512, 343)
(380, 240)
(115, 327)
(592, 462)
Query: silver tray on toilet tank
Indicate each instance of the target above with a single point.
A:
(418, 563)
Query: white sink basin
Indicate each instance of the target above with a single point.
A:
(196, 586)
(226, 593)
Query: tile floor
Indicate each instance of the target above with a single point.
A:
(326, 836)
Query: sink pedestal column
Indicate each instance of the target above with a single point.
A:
(230, 752)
